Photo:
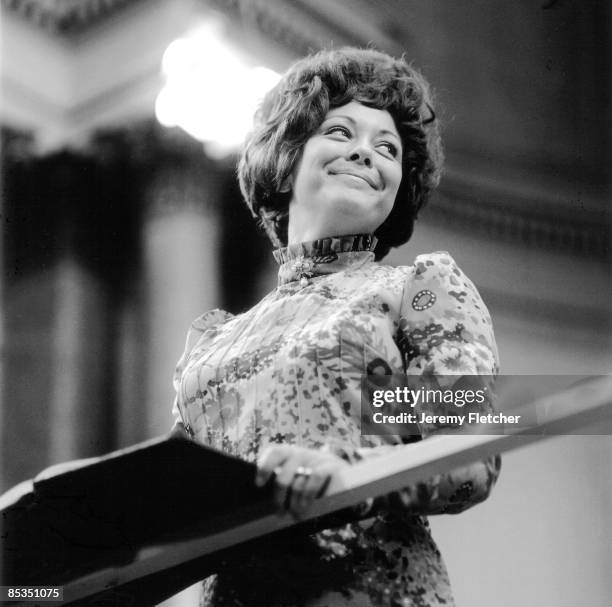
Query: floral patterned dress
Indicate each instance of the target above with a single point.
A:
(289, 371)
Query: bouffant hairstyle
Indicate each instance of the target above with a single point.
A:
(295, 108)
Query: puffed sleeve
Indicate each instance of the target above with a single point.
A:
(444, 330)
(206, 323)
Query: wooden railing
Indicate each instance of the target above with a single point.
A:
(161, 570)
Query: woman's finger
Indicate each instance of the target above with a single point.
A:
(283, 494)
(295, 496)
(271, 460)
(300, 498)
(313, 488)
(323, 487)
(279, 464)
(285, 476)
(300, 476)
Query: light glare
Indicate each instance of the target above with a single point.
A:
(210, 91)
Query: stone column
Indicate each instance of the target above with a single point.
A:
(181, 245)
(57, 340)
(79, 353)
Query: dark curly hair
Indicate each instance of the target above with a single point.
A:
(295, 108)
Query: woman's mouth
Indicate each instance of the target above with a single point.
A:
(357, 175)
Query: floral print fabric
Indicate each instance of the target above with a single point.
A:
(289, 371)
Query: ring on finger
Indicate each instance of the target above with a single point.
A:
(302, 471)
(295, 494)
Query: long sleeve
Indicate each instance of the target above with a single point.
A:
(444, 334)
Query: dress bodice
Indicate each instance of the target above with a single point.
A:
(289, 371)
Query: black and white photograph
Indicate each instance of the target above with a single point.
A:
(306, 303)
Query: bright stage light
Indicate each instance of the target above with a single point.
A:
(211, 91)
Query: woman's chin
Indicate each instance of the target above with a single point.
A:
(364, 216)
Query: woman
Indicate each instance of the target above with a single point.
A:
(344, 152)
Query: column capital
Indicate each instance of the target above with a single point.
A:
(171, 169)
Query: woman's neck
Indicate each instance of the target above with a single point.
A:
(304, 229)
(308, 229)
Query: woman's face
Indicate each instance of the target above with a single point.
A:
(347, 176)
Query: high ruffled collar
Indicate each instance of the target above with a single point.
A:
(305, 260)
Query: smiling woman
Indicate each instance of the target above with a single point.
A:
(344, 152)
(314, 90)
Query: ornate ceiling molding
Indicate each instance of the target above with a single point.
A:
(524, 218)
(64, 16)
(464, 202)
(300, 25)
(283, 22)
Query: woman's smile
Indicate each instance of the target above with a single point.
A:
(358, 178)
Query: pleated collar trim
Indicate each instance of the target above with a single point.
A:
(306, 260)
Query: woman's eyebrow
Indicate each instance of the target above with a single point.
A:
(354, 123)
(335, 116)
(387, 132)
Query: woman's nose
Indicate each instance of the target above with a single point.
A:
(361, 153)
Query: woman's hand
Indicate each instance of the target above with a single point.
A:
(301, 475)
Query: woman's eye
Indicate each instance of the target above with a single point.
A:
(390, 148)
(338, 130)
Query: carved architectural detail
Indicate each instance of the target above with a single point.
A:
(172, 168)
(302, 26)
(293, 25)
(64, 16)
(496, 213)
(512, 217)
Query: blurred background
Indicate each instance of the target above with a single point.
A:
(121, 120)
